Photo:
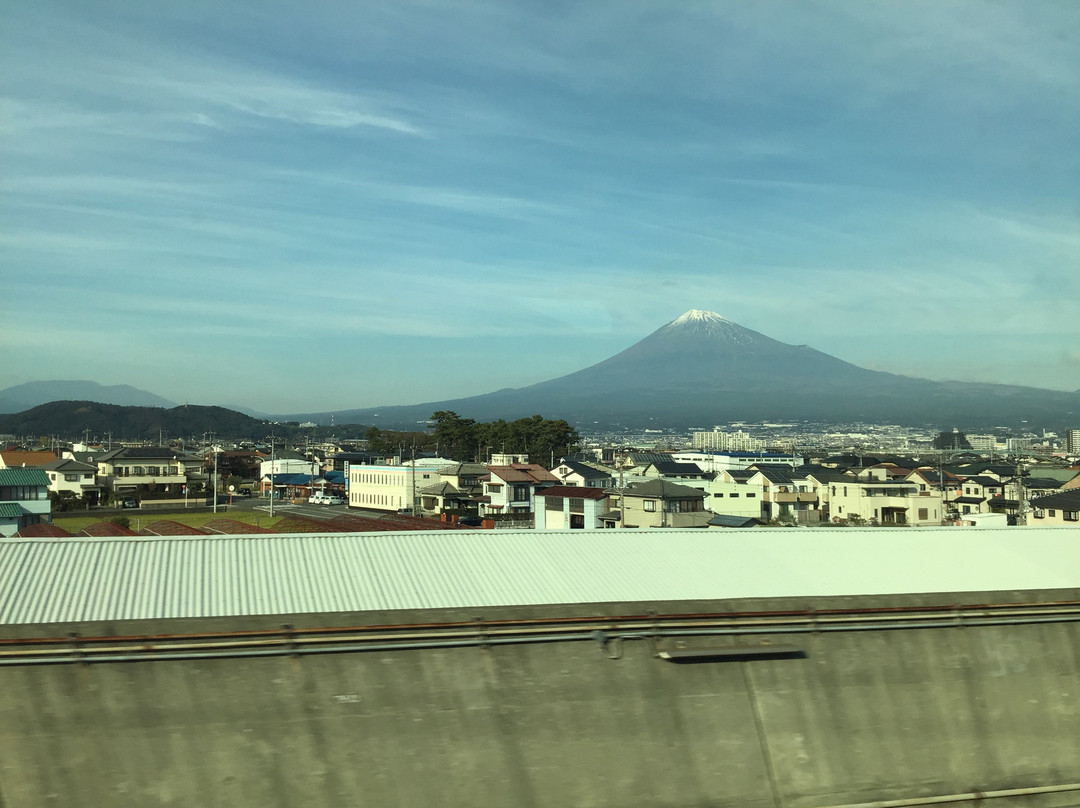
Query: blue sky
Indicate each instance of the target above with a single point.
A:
(318, 206)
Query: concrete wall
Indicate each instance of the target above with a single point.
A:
(866, 715)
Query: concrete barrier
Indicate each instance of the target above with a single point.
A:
(865, 714)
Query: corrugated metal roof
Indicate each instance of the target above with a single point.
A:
(10, 510)
(21, 476)
(78, 579)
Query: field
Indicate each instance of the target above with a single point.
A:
(74, 523)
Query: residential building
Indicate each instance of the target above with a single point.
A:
(24, 499)
(571, 507)
(74, 478)
(458, 490)
(1072, 442)
(723, 461)
(658, 503)
(156, 473)
(1062, 509)
(873, 496)
(575, 473)
(512, 489)
(719, 440)
(674, 470)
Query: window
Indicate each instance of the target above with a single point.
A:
(924, 514)
(649, 505)
(71, 478)
(521, 493)
(751, 495)
(552, 503)
(153, 471)
(1071, 516)
(1052, 513)
(577, 505)
(733, 494)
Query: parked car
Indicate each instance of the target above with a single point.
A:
(471, 521)
(319, 498)
(129, 502)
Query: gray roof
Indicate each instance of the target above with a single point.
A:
(67, 580)
(663, 488)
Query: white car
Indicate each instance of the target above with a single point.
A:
(322, 498)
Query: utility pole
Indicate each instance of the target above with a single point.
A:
(214, 448)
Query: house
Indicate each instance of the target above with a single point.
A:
(658, 503)
(71, 478)
(458, 490)
(573, 472)
(673, 470)
(511, 489)
(570, 507)
(24, 499)
(872, 496)
(786, 493)
(155, 473)
(1062, 508)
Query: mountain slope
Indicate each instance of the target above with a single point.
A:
(24, 396)
(130, 423)
(702, 369)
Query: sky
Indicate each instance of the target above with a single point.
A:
(298, 207)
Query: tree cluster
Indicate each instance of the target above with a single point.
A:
(464, 439)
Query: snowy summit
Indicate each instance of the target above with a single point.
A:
(699, 316)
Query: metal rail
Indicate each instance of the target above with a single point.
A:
(288, 640)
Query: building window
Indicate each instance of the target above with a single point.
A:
(924, 514)
(1052, 513)
(553, 503)
(1071, 516)
(750, 495)
(577, 505)
(649, 505)
(71, 478)
(521, 493)
(733, 494)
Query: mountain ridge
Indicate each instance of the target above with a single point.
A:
(703, 368)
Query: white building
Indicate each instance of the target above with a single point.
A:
(718, 440)
(392, 488)
(724, 461)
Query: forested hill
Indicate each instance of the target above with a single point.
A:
(69, 419)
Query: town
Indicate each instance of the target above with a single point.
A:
(453, 474)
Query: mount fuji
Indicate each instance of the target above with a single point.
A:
(702, 368)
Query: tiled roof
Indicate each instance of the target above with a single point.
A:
(586, 471)
(42, 530)
(573, 491)
(9, 510)
(105, 529)
(16, 459)
(663, 489)
(141, 453)
(523, 473)
(673, 468)
(1065, 500)
(21, 476)
(167, 527)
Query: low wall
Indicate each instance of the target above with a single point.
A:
(864, 714)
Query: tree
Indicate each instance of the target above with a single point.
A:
(455, 436)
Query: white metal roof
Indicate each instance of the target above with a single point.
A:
(83, 579)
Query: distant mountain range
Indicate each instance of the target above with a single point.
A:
(70, 418)
(703, 369)
(24, 396)
(698, 370)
